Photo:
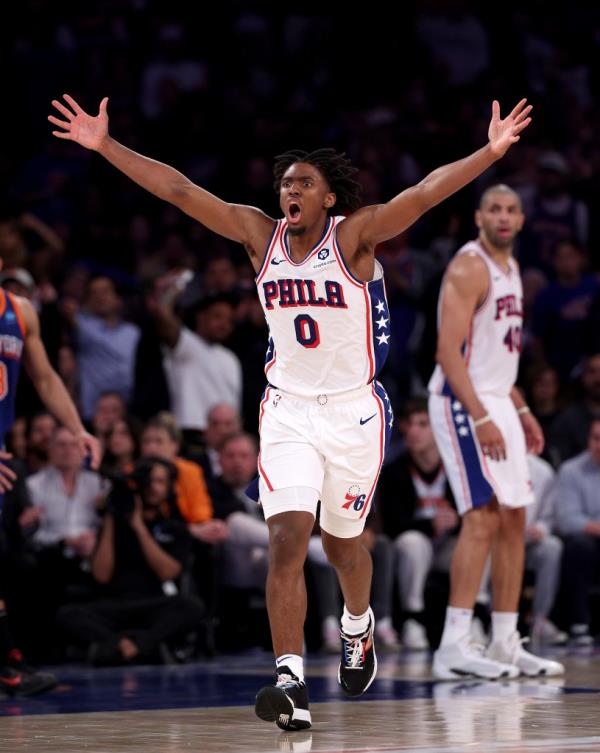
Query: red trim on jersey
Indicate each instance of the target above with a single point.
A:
(469, 344)
(382, 416)
(2, 301)
(324, 238)
(261, 470)
(457, 452)
(271, 362)
(270, 248)
(18, 314)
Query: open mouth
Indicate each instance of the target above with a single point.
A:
(294, 212)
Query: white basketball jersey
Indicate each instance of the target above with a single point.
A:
(328, 331)
(493, 345)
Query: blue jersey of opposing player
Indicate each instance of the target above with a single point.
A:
(12, 340)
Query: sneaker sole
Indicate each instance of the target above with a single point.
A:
(447, 673)
(273, 705)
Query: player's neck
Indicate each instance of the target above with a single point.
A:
(501, 256)
(301, 245)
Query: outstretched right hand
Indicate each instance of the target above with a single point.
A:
(80, 127)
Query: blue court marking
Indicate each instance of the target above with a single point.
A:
(227, 683)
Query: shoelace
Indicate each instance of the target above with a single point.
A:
(286, 680)
(353, 650)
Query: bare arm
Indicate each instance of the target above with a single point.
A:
(49, 385)
(464, 288)
(246, 225)
(374, 224)
(103, 560)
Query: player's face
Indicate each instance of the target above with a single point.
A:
(304, 197)
(500, 219)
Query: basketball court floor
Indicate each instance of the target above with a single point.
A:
(207, 707)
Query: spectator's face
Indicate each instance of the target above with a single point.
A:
(591, 378)
(223, 420)
(417, 433)
(157, 490)
(103, 300)
(120, 442)
(568, 260)
(157, 442)
(238, 462)
(40, 432)
(215, 324)
(109, 410)
(500, 219)
(64, 451)
(594, 442)
(10, 237)
(220, 276)
(545, 387)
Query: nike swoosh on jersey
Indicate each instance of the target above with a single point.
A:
(364, 420)
(276, 261)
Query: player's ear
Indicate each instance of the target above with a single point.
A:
(330, 200)
(478, 219)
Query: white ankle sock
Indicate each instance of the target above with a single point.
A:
(294, 662)
(353, 624)
(457, 625)
(504, 625)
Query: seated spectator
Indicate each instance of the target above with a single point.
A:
(417, 513)
(61, 525)
(122, 446)
(544, 396)
(578, 518)
(143, 548)
(200, 371)
(108, 409)
(561, 309)
(106, 345)
(543, 551)
(161, 438)
(570, 429)
(40, 429)
(223, 420)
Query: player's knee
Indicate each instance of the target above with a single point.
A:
(481, 524)
(288, 544)
(343, 554)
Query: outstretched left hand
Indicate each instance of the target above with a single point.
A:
(504, 133)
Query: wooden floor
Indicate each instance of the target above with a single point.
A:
(208, 708)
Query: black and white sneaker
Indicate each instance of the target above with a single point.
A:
(285, 703)
(358, 666)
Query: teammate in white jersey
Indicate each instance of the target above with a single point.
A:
(324, 419)
(483, 429)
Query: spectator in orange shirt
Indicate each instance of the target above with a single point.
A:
(162, 438)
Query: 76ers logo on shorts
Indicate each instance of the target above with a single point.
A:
(354, 499)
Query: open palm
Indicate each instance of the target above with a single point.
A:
(84, 129)
(503, 133)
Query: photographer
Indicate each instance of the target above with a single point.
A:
(142, 549)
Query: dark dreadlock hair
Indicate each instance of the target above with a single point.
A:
(335, 167)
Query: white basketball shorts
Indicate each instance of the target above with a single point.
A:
(475, 479)
(332, 444)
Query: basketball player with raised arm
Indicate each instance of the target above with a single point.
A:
(484, 429)
(324, 419)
